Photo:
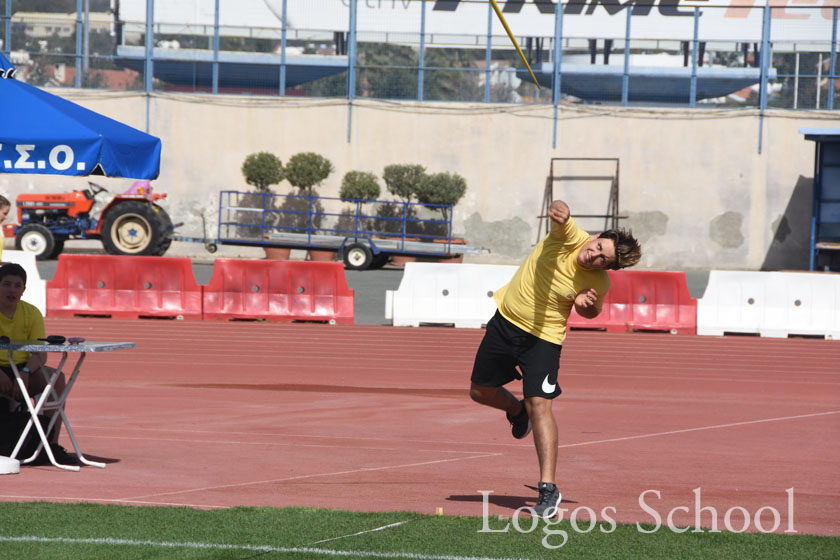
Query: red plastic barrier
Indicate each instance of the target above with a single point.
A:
(123, 287)
(644, 300)
(281, 291)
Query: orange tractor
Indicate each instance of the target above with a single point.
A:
(130, 224)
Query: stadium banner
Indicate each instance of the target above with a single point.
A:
(803, 21)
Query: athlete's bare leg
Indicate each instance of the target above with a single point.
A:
(497, 397)
(545, 435)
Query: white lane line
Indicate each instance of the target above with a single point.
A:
(514, 445)
(701, 428)
(89, 500)
(304, 476)
(250, 548)
(274, 443)
(360, 533)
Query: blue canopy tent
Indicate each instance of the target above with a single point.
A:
(42, 133)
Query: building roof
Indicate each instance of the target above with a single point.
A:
(821, 134)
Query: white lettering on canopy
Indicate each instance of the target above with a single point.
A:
(67, 161)
(23, 161)
(61, 158)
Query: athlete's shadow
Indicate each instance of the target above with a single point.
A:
(501, 500)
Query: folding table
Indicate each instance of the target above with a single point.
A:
(50, 399)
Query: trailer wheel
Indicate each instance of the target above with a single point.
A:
(357, 256)
(36, 239)
(133, 228)
(379, 261)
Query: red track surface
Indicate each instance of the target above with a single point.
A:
(210, 414)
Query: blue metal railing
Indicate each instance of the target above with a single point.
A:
(263, 218)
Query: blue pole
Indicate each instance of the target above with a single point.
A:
(148, 71)
(625, 78)
(692, 96)
(216, 49)
(832, 70)
(558, 60)
(7, 44)
(283, 53)
(488, 53)
(351, 64)
(78, 81)
(421, 70)
(765, 62)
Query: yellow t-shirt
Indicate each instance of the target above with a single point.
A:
(27, 324)
(539, 297)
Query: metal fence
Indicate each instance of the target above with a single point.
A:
(641, 52)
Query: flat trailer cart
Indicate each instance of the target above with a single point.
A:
(365, 233)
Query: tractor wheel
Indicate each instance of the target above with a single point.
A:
(167, 225)
(133, 228)
(36, 239)
(57, 249)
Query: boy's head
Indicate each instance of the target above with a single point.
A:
(610, 250)
(5, 206)
(627, 248)
(12, 285)
(13, 269)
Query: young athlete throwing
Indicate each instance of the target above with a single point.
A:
(565, 269)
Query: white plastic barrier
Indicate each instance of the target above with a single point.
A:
(36, 289)
(446, 294)
(772, 304)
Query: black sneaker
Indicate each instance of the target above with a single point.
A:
(520, 425)
(548, 501)
(62, 457)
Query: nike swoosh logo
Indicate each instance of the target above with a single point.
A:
(548, 387)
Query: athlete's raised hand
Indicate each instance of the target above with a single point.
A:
(559, 212)
(585, 303)
(586, 298)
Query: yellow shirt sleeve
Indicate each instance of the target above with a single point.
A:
(27, 324)
(540, 296)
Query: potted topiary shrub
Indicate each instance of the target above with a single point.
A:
(305, 171)
(357, 186)
(401, 180)
(442, 188)
(261, 170)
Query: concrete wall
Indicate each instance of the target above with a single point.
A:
(694, 187)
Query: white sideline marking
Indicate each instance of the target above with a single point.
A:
(747, 423)
(274, 480)
(250, 548)
(497, 444)
(275, 443)
(397, 524)
(89, 500)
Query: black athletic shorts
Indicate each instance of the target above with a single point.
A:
(504, 347)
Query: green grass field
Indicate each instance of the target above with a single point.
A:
(73, 531)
